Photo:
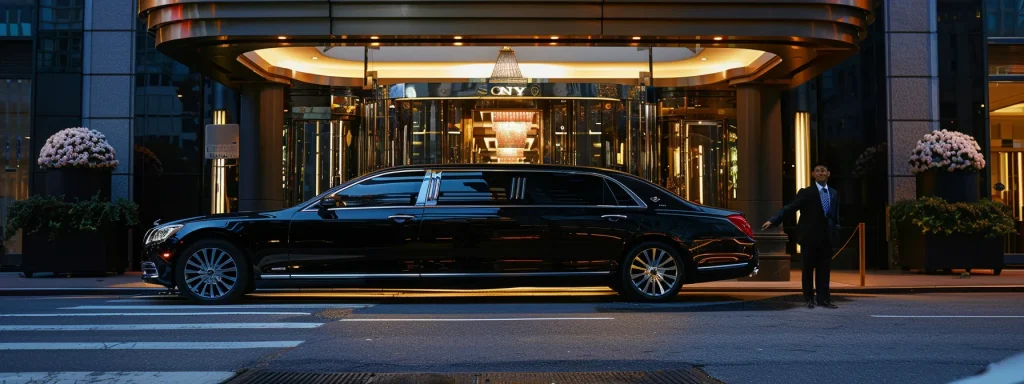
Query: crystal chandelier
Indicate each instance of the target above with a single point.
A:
(506, 68)
(510, 128)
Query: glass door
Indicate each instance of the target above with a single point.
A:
(15, 111)
(698, 161)
(314, 157)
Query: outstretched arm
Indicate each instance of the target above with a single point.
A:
(793, 206)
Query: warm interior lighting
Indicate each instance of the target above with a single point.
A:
(700, 173)
(1020, 186)
(315, 58)
(374, 37)
(636, 37)
(375, 44)
(718, 38)
(282, 37)
(458, 44)
(458, 37)
(802, 137)
(554, 37)
(510, 128)
(703, 59)
(552, 43)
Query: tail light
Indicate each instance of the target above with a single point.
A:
(741, 222)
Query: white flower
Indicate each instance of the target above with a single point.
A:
(953, 151)
(76, 147)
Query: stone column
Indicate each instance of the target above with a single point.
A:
(261, 124)
(759, 188)
(108, 82)
(912, 84)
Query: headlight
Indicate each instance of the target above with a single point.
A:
(162, 233)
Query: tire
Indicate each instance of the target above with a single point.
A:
(213, 286)
(642, 256)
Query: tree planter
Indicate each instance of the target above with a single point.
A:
(932, 252)
(954, 187)
(75, 252)
(78, 183)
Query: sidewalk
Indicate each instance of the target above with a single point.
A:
(842, 281)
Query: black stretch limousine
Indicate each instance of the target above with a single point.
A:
(466, 226)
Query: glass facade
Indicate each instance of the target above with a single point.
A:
(1004, 27)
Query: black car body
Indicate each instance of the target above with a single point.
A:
(467, 226)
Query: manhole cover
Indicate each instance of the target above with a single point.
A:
(691, 376)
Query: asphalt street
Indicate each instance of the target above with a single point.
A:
(735, 338)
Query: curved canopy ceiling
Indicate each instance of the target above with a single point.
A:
(403, 63)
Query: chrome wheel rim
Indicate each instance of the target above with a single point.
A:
(654, 272)
(211, 273)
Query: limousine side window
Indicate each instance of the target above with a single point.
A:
(621, 197)
(397, 189)
(475, 187)
(572, 189)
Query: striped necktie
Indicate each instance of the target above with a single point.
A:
(824, 199)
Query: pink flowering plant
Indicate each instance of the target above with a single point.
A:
(947, 150)
(77, 148)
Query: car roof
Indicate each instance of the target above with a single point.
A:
(544, 167)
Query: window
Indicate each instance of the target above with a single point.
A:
(543, 188)
(620, 196)
(475, 187)
(391, 190)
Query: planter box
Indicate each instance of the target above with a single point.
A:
(954, 187)
(78, 183)
(75, 252)
(933, 252)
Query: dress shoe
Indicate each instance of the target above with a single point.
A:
(828, 304)
(810, 303)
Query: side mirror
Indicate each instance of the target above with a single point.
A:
(327, 203)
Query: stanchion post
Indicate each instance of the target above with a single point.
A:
(860, 251)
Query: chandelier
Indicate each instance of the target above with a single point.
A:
(510, 128)
(506, 68)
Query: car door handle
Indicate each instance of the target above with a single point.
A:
(401, 218)
(613, 218)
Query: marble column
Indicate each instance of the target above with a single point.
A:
(261, 124)
(759, 184)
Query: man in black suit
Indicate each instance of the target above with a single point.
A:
(817, 230)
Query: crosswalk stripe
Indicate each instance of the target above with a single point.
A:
(155, 327)
(239, 306)
(94, 314)
(116, 377)
(149, 345)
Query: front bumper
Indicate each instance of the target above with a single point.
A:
(157, 269)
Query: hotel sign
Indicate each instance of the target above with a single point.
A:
(515, 90)
(222, 141)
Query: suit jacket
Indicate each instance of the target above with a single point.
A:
(815, 226)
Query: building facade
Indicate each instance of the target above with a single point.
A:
(719, 102)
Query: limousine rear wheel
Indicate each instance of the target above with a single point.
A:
(652, 272)
(212, 272)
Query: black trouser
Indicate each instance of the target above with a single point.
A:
(817, 258)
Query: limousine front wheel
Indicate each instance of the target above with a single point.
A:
(652, 272)
(212, 272)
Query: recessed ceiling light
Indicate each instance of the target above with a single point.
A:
(458, 43)
(315, 58)
(282, 37)
(552, 43)
(636, 37)
(374, 37)
(554, 37)
(703, 59)
(458, 37)
(718, 38)
(375, 44)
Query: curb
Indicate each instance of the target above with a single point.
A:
(865, 290)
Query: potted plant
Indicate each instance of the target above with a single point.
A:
(78, 163)
(946, 165)
(70, 236)
(933, 234)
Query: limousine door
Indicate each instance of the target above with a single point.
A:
(373, 230)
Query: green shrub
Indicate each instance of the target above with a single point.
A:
(53, 215)
(937, 216)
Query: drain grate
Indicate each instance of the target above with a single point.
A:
(691, 376)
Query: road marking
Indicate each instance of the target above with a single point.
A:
(148, 345)
(489, 319)
(115, 377)
(950, 317)
(239, 306)
(155, 327)
(149, 314)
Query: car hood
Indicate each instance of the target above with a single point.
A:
(227, 216)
